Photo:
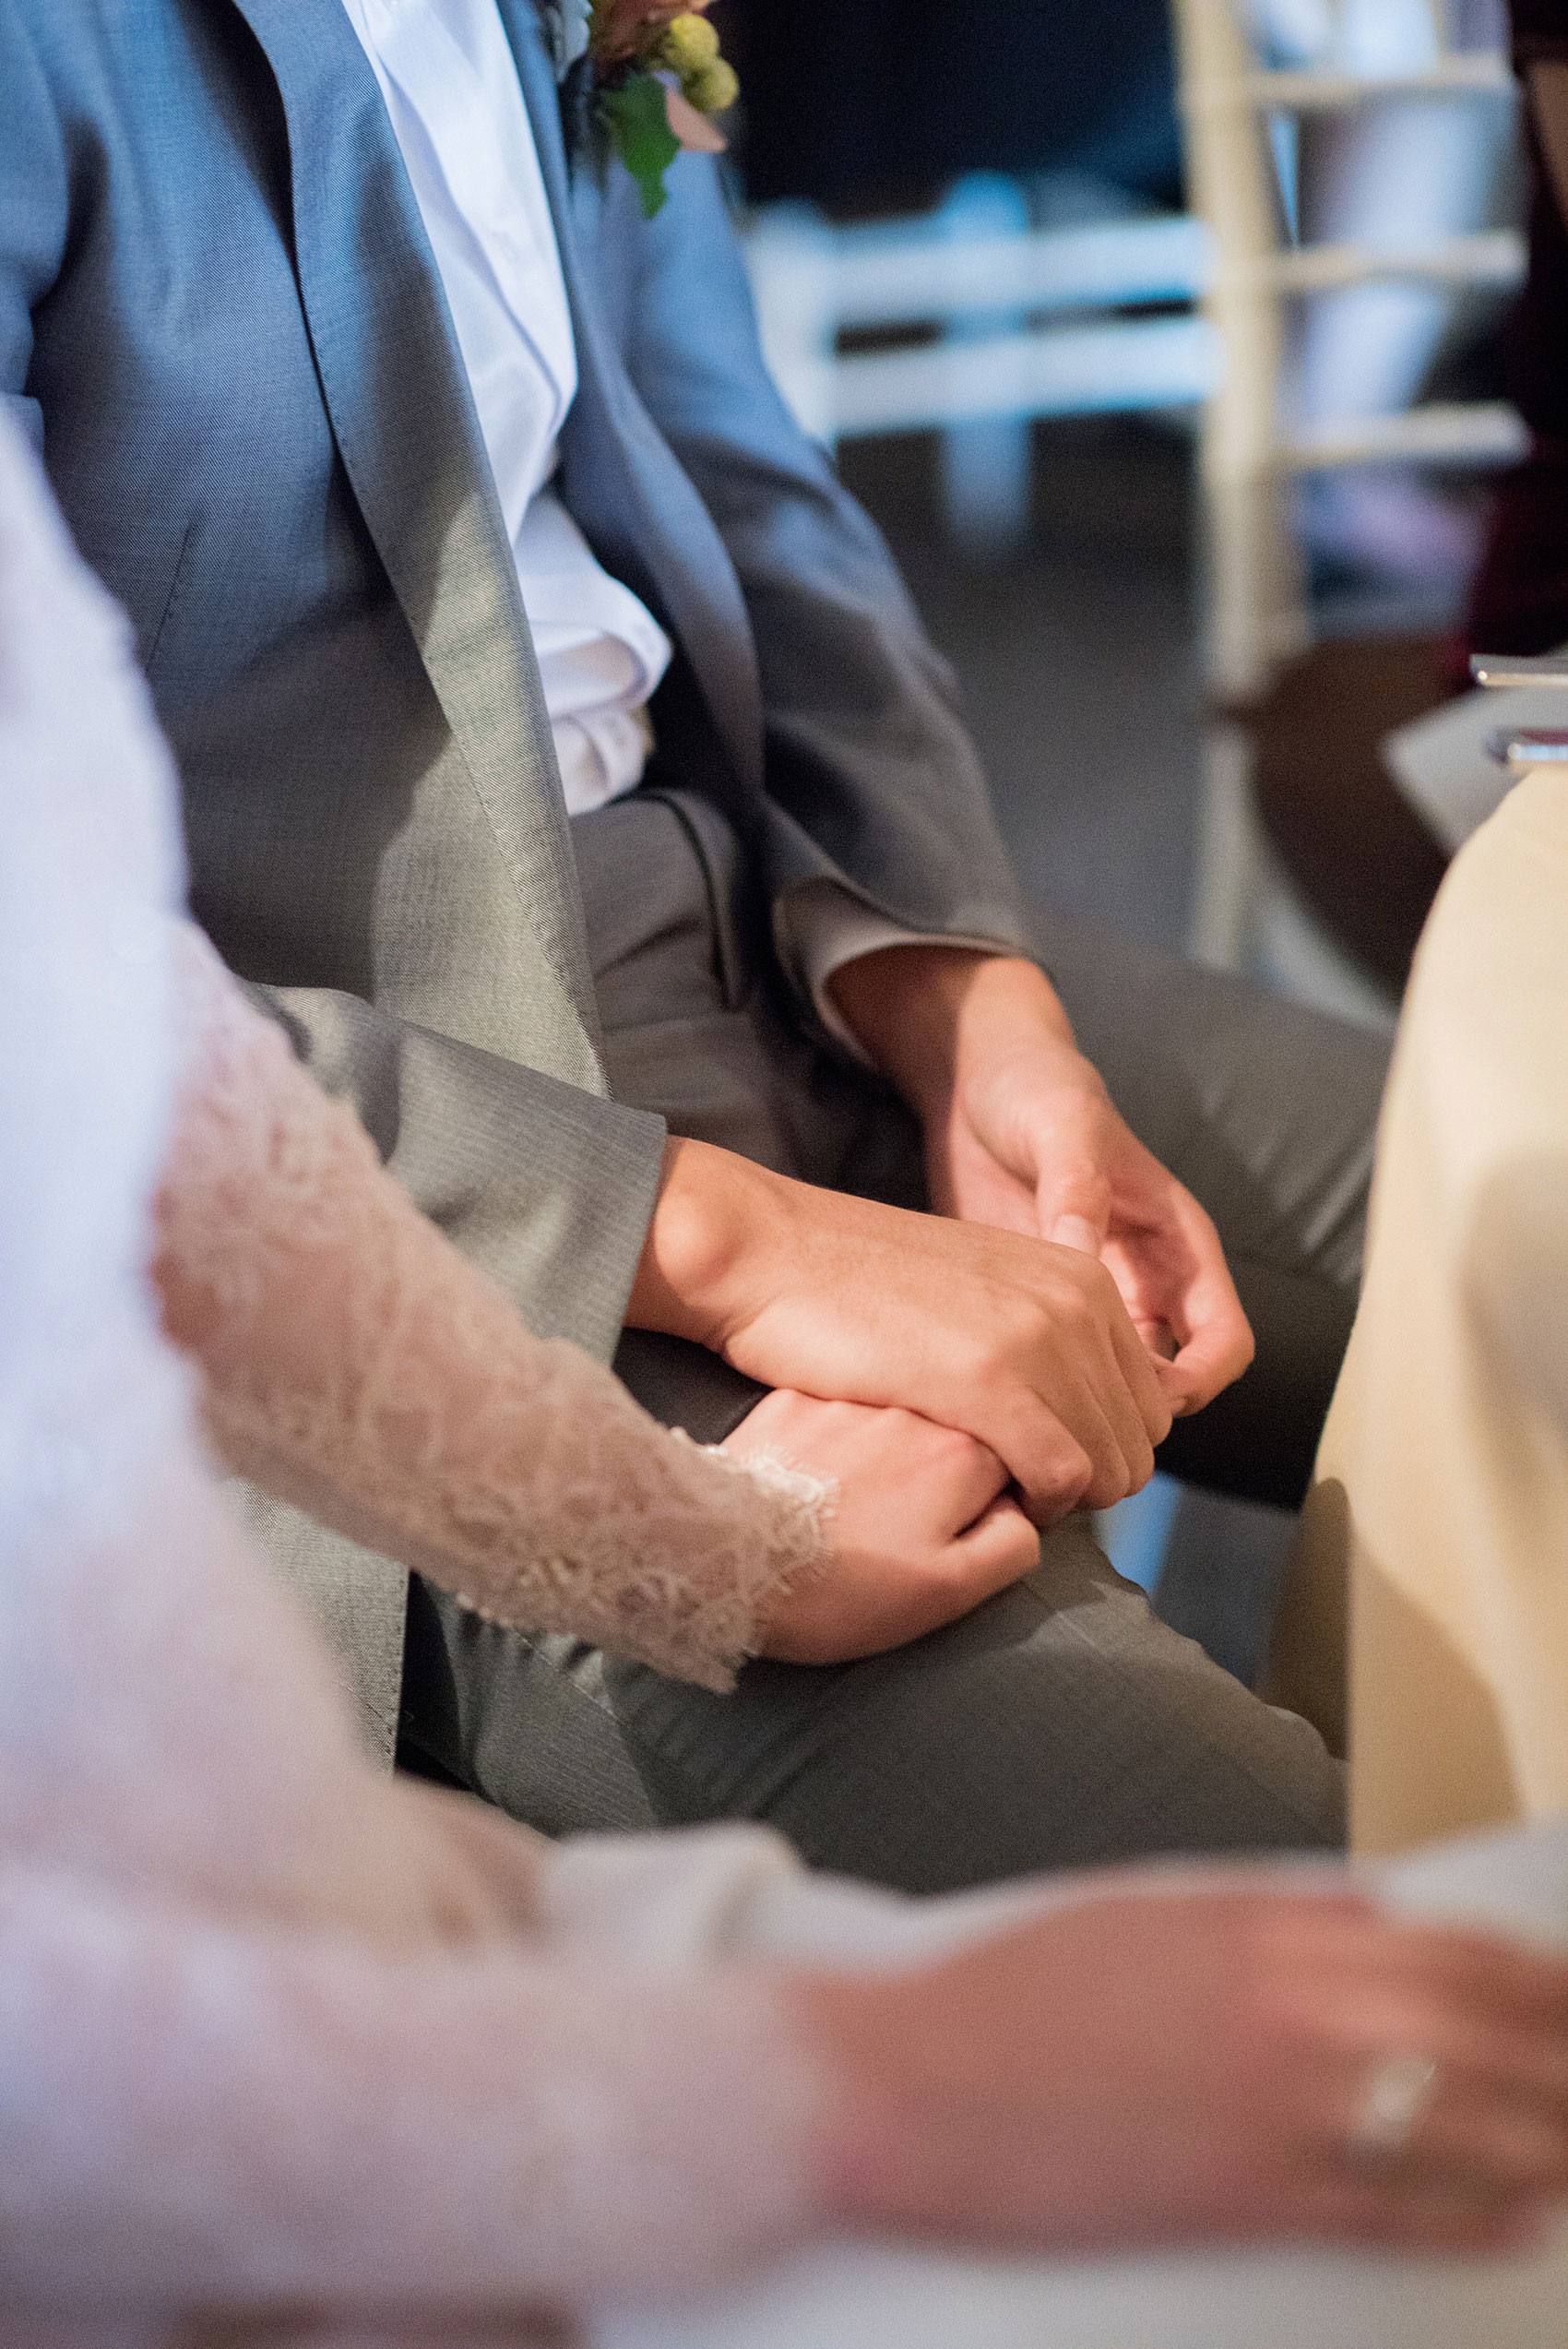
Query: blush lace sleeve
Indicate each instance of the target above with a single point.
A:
(356, 1365)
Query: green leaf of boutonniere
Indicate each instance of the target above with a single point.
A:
(637, 120)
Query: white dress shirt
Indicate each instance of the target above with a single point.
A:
(451, 90)
(450, 85)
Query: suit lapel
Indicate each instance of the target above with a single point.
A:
(636, 476)
(404, 422)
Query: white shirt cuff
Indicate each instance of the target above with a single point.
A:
(824, 926)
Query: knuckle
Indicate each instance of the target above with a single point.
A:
(980, 1357)
(1075, 1317)
(1071, 1477)
(1025, 1319)
(1102, 1290)
(1120, 1488)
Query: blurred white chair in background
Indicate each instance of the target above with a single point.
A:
(1019, 321)
(1239, 114)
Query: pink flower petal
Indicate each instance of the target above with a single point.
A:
(693, 130)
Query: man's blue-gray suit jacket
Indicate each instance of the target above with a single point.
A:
(222, 323)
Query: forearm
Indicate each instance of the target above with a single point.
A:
(355, 1365)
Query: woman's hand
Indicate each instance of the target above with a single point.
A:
(923, 1531)
(1163, 2065)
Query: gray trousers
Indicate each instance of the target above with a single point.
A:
(1061, 1723)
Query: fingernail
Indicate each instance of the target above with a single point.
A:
(1075, 1232)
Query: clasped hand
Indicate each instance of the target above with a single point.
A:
(1020, 1133)
(1039, 1333)
(1023, 1346)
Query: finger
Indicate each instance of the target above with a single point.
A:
(1170, 1268)
(1491, 2060)
(974, 1565)
(1111, 1363)
(971, 1568)
(1472, 2138)
(1219, 1348)
(1408, 2216)
(1049, 1409)
(1126, 1452)
(1145, 1391)
(1000, 1547)
(1092, 1401)
(1073, 1202)
(1489, 2125)
(1489, 1994)
(971, 1480)
(1076, 1232)
(1500, 1977)
(1044, 1458)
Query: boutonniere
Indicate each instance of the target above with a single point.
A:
(645, 77)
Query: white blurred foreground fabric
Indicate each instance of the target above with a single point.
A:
(276, 2036)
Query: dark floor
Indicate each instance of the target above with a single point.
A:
(1077, 661)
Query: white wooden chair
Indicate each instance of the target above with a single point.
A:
(1244, 916)
(1026, 322)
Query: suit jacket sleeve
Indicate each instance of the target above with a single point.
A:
(865, 749)
(546, 1189)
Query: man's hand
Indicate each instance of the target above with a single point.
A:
(923, 1528)
(1020, 1133)
(1023, 1346)
(1150, 2066)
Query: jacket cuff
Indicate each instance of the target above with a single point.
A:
(821, 927)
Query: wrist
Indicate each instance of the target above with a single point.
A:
(872, 2158)
(703, 1240)
(925, 1012)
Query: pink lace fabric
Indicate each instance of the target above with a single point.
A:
(357, 1366)
(288, 2051)
(280, 2035)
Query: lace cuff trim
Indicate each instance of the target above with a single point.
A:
(357, 1366)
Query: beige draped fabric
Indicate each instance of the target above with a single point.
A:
(1440, 1509)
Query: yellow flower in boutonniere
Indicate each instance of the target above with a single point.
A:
(661, 78)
